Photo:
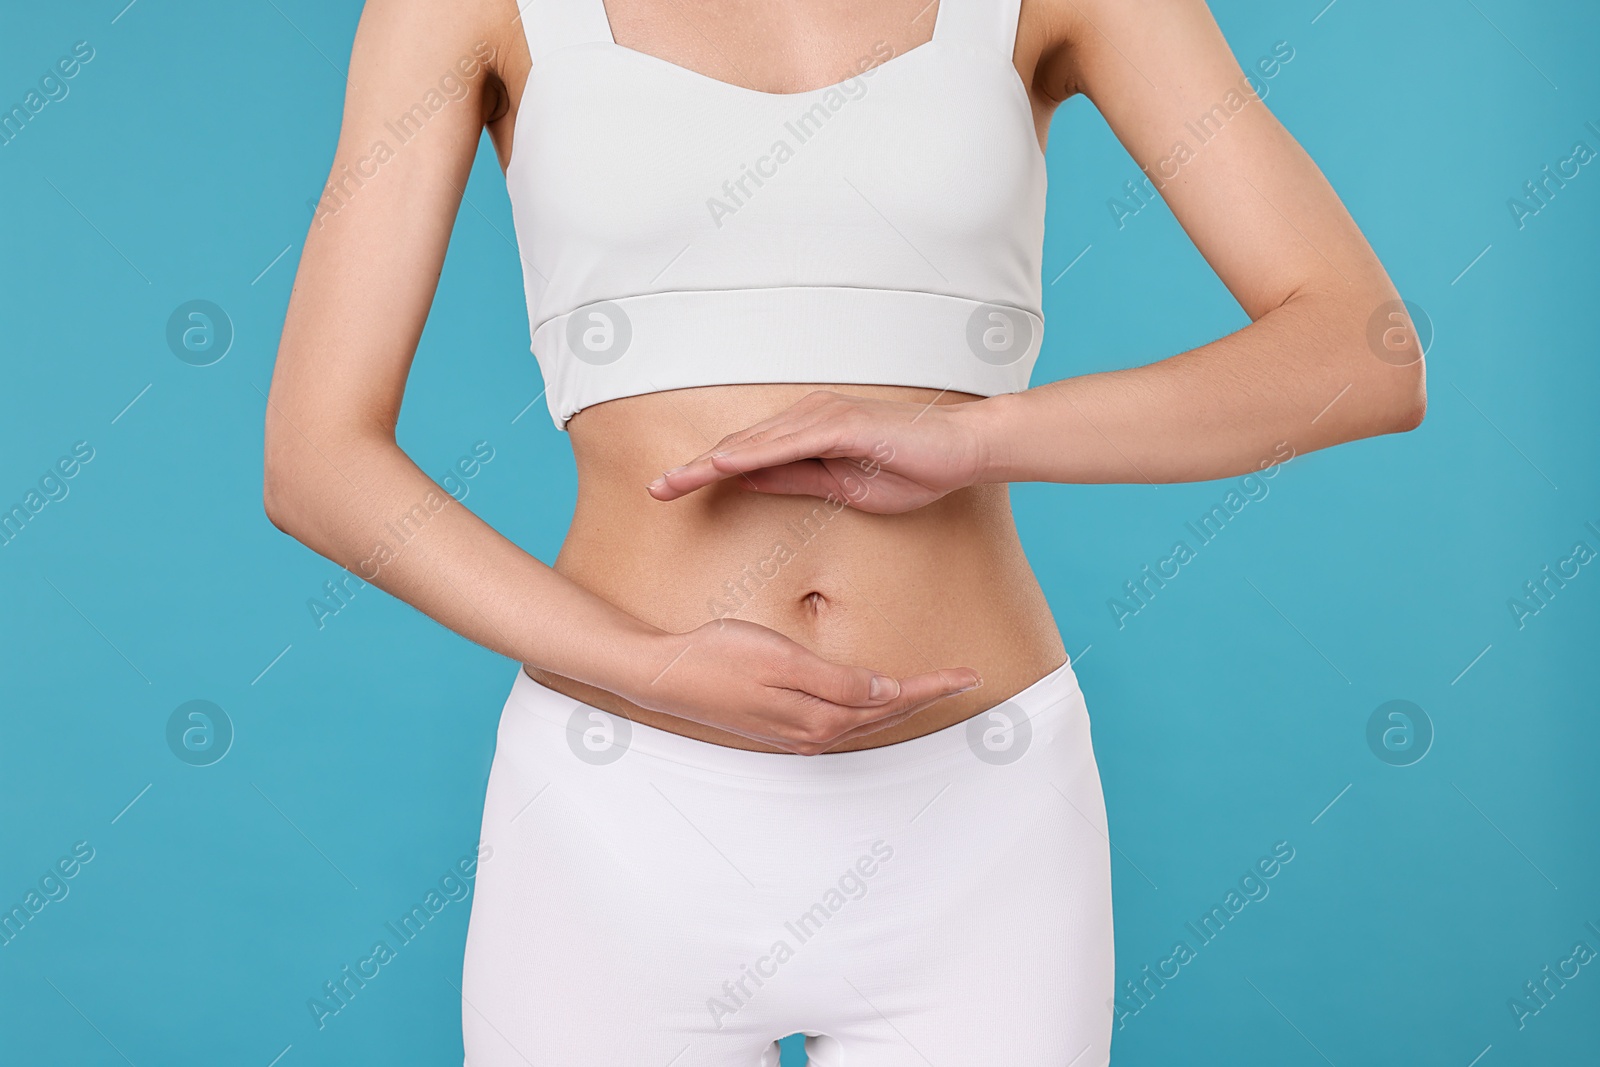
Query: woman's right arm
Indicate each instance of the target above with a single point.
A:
(336, 479)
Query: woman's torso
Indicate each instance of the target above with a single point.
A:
(947, 585)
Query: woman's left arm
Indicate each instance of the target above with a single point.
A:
(1329, 355)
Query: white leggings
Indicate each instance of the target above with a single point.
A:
(649, 900)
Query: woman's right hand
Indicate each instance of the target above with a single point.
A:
(746, 679)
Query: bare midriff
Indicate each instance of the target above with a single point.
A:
(946, 585)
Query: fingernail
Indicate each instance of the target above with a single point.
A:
(884, 688)
(662, 481)
(969, 688)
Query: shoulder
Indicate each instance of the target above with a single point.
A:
(467, 46)
(1062, 37)
(410, 32)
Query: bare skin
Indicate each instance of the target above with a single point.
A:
(914, 575)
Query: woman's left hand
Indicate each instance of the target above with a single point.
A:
(880, 456)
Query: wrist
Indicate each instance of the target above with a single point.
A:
(638, 658)
(615, 652)
(989, 422)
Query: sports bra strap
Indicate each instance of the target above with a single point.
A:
(984, 23)
(553, 24)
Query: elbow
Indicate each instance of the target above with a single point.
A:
(1396, 379)
(282, 482)
(277, 489)
(1406, 390)
(301, 480)
(1390, 407)
(1415, 408)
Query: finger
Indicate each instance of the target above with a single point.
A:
(807, 725)
(935, 685)
(944, 684)
(825, 723)
(843, 481)
(802, 442)
(826, 439)
(806, 477)
(681, 481)
(879, 724)
(838, 684)
(843, 686)
(793, 415)
(785, 421)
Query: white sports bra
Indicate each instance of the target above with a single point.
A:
(676, 230)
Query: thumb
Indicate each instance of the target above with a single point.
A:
(851, 687)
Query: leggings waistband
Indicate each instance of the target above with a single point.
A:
(999, 734)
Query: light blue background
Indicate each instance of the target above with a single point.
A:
(1228, 714)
